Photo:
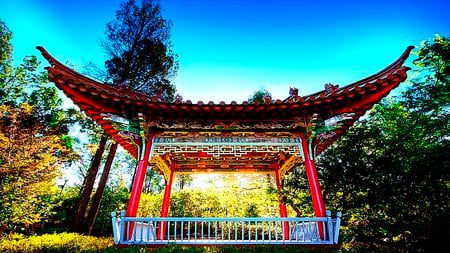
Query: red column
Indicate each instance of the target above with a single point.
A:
(283, 212)
(313, 180)
(138, 182)
(165, 206)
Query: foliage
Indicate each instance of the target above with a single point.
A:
(183, 180)
(150, 205)
(389, 173)
(296, 192)
(34, 143)
(154, 182)
(259, 96)
(63, 242)
(31, 155)
(139, 51)
(61, 215)
(115, 197)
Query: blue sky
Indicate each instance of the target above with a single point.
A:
(228, 49)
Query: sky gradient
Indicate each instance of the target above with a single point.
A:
(228, 49)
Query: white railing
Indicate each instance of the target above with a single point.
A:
(202, 231)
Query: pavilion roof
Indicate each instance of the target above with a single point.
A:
(328, 113)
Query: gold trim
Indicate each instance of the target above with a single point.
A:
(288, 165)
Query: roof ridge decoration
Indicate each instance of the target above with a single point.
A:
(324, 115)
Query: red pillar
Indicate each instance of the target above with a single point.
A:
(283, 212)
(313, 180)
(138, 182)
(165, 206)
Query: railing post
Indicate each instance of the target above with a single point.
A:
(337, 227)
(114, 224)
(122, 231)
(329, 227)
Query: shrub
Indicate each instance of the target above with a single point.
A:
(63, 242)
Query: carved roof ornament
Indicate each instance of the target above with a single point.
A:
(330, 88)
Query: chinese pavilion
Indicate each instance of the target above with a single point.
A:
(179, 137)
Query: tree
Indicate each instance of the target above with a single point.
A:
(96, 200)
(389, 173)
(183, 180)
(78, 220)
(153, 182)
(139, 50)
(138, 47)
(260, 95)
(33, 140)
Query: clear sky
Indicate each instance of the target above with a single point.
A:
(228, 48)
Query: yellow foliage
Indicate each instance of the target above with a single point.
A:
(27, 108)
(69, 242)
(30, 160)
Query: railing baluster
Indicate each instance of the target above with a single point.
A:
(223, 228)
(290, 229)
(275, 230)
(168, 230)
(195, 230)
(209, 230)
(256, 230)
(215, 230)
(189, 231)
(249, 230)
(236, 229)
(175, 230)
(182, 231)
(243, 230)
(202, 234)
(262, 229)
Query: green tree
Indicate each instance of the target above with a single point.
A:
(138, 49)
(389, 173)
(137, 46)
(183, 180)
(34, 143)
(260, 95)
(153, 182)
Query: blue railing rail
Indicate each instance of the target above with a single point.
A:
(138, 230)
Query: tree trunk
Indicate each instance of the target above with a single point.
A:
(87, 189)
(95, 206)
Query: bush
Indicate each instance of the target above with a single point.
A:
(63, 242)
